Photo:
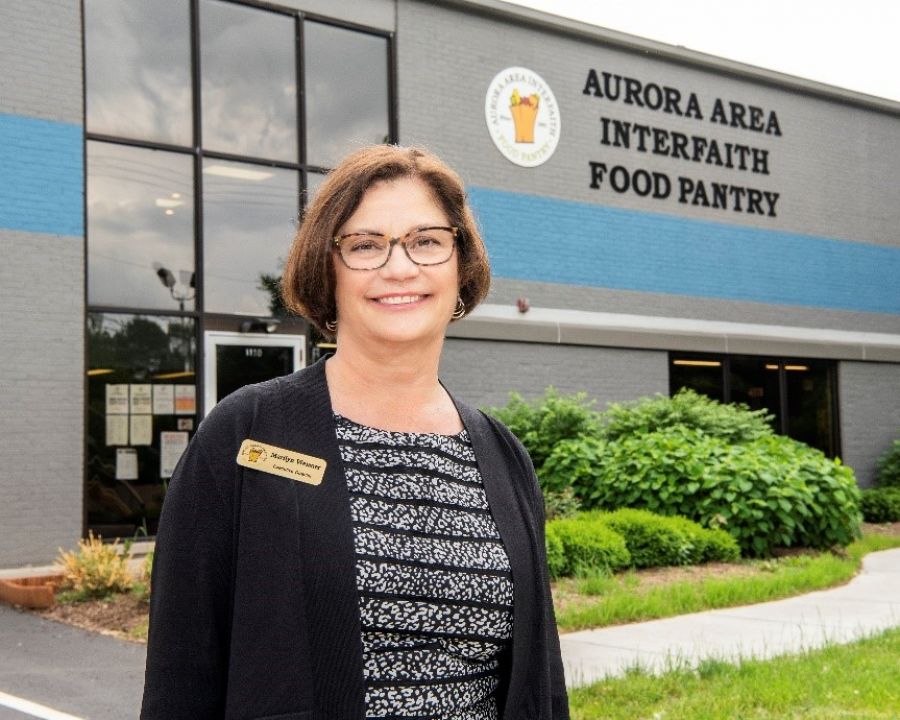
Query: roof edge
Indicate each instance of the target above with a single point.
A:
(682, 55)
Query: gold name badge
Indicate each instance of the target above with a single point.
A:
(281, 462)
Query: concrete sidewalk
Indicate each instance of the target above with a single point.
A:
(867, 604)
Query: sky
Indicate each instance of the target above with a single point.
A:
(852, 45)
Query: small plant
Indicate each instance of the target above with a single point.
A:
(96, 570)
(560, 504)
(888, 466)
(141, 586)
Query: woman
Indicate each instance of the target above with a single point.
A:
(349, 541)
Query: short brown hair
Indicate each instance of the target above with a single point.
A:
(307, 285)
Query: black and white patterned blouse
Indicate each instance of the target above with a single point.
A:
(434, 579)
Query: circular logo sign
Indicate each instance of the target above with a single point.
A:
(522, 116)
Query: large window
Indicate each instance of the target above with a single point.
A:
(207, 124)
(142, 409)
(800, 394)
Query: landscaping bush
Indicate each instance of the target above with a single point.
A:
(719, 465)
(96, 570)
(710, 544)
(734, 423)
(657, 541)
(587, 544)
(556, 552)
(881, 505)
(542, 423)
(770, 492)
(633, 538)
(888, 467)
(651, 540)
(573, 463)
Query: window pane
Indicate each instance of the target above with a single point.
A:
(809, 403)
(138, 69)
(346, 92)
(140, 384)
(700, 373)
(313, 181)
(248, 64)
(754, 381)
(140, 227)
(249, 218)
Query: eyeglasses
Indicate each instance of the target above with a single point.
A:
(370, 251)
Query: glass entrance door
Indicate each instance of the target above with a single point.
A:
(237, 359)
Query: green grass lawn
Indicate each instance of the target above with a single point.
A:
(600, 601)
(859, 681)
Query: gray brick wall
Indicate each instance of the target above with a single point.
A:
(41, 416)
(41, 304)
(869, 397)
(483, 372)
(40, 57)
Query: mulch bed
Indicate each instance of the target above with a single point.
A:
(122, 616)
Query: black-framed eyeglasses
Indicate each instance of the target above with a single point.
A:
(370, 251)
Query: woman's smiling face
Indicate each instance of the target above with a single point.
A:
(400, 302)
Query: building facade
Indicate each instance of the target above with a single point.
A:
(656, 218)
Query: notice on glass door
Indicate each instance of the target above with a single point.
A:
(116, 429)
(171, 446)
(163, 399)
(141, 399)
(185, 400)
(141, 429)
(116, 399)
(126, 464)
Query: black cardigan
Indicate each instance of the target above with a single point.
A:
(254, 611)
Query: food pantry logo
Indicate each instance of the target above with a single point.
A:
(522, 116)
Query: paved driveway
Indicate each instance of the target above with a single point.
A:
(69, 670)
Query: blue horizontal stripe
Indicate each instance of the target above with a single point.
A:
(560, 241)
(41, 176)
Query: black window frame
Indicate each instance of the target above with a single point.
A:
(199, 314)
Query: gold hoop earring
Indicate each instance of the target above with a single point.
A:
(331, 326)
(460, 311)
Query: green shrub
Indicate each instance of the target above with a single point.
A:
(734, 423)
(888, 467)
(574, 464)
(588, 544)
(561, 504)
(556, 552)
(880, 505)
(710, 544)
(96, 570)
(652, 540)
(542, 423)
(770, 492)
